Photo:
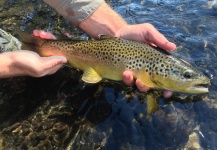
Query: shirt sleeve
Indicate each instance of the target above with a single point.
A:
(75, 10)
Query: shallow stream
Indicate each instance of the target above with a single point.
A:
(58, 112)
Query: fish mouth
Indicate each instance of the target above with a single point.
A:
(199, 88)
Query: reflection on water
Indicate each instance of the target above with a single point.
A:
(58, 111)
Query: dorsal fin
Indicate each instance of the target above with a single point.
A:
(103, 37)
(63, 37)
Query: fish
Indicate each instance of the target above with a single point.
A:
(109, 57)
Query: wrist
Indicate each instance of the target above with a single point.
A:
(23, 63)
(7, 65)
(18, 65)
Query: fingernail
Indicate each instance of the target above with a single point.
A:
(172, 45)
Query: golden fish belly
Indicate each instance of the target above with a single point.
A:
(106, 69)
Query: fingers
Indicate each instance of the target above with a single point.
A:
(51, 70)
(48, 65)
(43, 34)
(54, 69)
(52, 61)
(167, 94)
(141, 87)
(154, 36)
(128, 78)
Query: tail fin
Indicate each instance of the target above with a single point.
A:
(38, 45)
(27, 38)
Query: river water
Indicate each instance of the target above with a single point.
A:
(58, 112)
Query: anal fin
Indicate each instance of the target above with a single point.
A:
(152, 103)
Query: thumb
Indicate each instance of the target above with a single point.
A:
(53, 69)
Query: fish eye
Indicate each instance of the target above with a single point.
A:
(187, 75)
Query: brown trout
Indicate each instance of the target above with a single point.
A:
(109, 57)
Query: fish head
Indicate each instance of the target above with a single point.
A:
(177, 75)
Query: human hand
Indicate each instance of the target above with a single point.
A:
(44, 35)
(46, 65)
(30, 63)
(148, 34)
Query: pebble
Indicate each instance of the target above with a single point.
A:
(214, 6)
(193, 142)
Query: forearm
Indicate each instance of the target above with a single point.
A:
(93, 16)
(75, 10)
(102, 21)
(7, 67)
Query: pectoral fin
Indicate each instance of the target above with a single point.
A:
(144, 77)
(91, 76)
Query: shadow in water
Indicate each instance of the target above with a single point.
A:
(58, 111)
(48, 112)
